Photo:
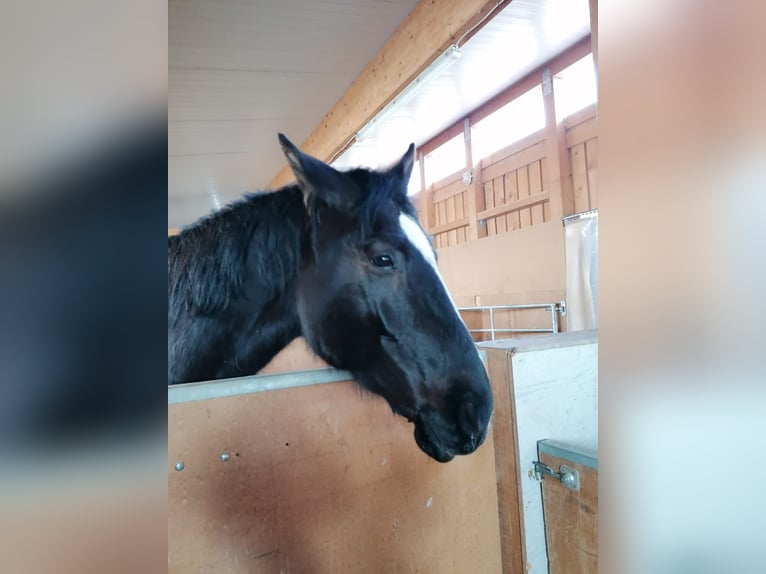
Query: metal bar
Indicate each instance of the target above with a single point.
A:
(510, 330)
(261, 383)
(582, 215)
(551, 308)
(554, 319)
(576, 455)
(254, 384)
(501, 307)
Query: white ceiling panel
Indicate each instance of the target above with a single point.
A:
(240, 71)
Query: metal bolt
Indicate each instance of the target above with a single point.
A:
(224, 457)
(179, 466)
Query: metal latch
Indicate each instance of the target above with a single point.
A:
(569, 477)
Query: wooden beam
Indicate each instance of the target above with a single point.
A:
(428, 30)
(452, 225)
(558, 165)
(593, 4)
(507, 470)
(512, 206)
(472, 208)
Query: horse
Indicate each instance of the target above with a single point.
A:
(339, 258)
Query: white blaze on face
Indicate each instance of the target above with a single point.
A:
(418, 238)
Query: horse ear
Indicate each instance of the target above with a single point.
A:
(319, 180)
(404, 166)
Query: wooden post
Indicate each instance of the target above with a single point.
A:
(559, 170)
(594, 33)
(473, 225)
(506, 460)
(475, 192)
(429, 215)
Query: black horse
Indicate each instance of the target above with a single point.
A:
(340, 259)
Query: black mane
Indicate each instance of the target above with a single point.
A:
(207, 260)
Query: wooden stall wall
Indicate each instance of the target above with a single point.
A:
(502, 219)
(322, 479)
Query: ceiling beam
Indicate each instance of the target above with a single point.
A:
(426, 32)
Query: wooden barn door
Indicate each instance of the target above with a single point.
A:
(570, 506)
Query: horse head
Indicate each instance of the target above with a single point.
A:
(371, 301)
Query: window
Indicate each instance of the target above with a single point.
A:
(515, 120)
(414, 185)
(445, 160)
(575, 87)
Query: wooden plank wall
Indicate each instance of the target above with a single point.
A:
(511, 188)
(515, 188)
(322, 479)
(582, 142)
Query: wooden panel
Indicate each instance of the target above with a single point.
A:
(558, 164)
(452, 234)
(489, 201)
(581, 116)
(321, 479)
(546, 175)
(506, 461)
(450, 227)
(512, 194)
(517, 206)
(500, 221)
(535, 187)
(593, 7)
(582, 131)
(513, 148)
(525, 216)
(580, 178)
(571, 520)
(479, 203)
(445, 190)
(510, 264)
(515, 161)
(591, 154)
(441, 213)
(429, 29)
(460, 216)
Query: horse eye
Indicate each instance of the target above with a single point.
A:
(382, 261)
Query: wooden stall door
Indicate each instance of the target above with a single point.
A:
(571, 516)
(321, 479)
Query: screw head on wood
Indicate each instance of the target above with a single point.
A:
(224, 457)
(179, 466)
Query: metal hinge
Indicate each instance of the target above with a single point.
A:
(569, 477)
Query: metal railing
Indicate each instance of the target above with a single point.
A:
(553, 309)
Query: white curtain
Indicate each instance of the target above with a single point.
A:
(581, 241)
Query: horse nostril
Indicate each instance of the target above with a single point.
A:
(468, 420)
